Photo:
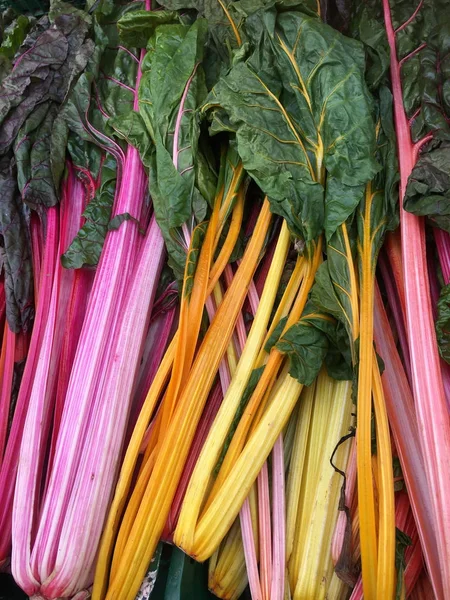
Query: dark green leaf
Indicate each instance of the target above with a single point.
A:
(15, 251)
(275, 336)
(306, 343)
(428, 189)
(135, 28)
(443, 323)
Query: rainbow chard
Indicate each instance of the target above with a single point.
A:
(418, 38)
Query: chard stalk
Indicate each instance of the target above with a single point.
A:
(430, 402)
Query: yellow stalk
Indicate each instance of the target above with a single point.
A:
(386, 501)
(316, 568)
(316, 440)
(201, 476)
(268, 376)
(155, 507)
(219, 517)
(366, 501)
(229, 578)
(297, 465)
(126, 474)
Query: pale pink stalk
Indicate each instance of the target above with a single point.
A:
(405, 430)
(95, 350)
(248, 541)
(341, 523)
(29, 472)
(6, 385)
(279, 522)
(99, 458)
(11, 457)
(41, 404)
(430, 402)
(265, 532)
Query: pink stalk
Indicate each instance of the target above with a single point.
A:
(423, 589)
(41, 404)
(442, 239)
(9, 342)
(341, 523)
(94, 351)
(2, 304)
(265, 532)
(11, 457)
(155, 346)
(99, 457)
(279, 522)
(405, 430)
(431, 407)
(396, 308)
(250, 551)
(76, 310)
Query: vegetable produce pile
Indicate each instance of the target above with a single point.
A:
(225, 299)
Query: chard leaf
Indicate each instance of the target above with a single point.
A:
(15, 251)
(443, 323)
(423, 47)
(171, 89)
(13, 36)
(32, 150)
(306, 343)
(428, 189)
(56, 53)
(87, 245)
(289, 106)
(135, 28)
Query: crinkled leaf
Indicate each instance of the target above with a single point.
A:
(368, 27)
(428, 189)
(51, 57)
(296, 124)
(306, 343)
(424, 49)
(15, 251)
(135, 28)
(443, 323)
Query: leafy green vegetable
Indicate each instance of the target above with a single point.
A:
(443, 323)
(171, 89)
(289, 106)
(428, 189)
(15, 250)
(86, 247)
(307, 343)
(12, 39)
(135, 28)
